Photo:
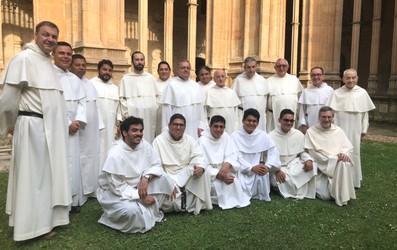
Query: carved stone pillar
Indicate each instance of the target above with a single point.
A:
(143, 26)
(355, 46)
(191, 31)
(393, 74)
(295, 38)
(321, 30)
(374, 59)
(168, 30)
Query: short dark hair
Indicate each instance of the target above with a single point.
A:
(177, 116)
(78, 56)
(163, 62)
(136, 52)
(46, 23)
(249, 59)
(317, 67)
(132, 120)
(217, 118)
(285, 112)
(325, 109)
(252, 112)
(206, 68)
(62, 43)
(104, 61)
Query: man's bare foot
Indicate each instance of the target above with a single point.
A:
(48, 236)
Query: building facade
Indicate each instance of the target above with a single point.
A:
(334, 34)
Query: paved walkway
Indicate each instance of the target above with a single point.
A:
(384, 132)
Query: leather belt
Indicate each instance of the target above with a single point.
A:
(27, 113)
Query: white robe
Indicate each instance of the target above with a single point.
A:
(205, 88)
(108, 101)
(216, 152)
(74, 95)
(160, 88)
(118, 188)
(334, 178)
(138, 93)
(257, 147)
(178, 159)
(224, 101)
(187, 99)
(89, 141)
(298, 183)
(351, 114)
(283, 95)
(253, 94)
(38, 193)
(311, 100)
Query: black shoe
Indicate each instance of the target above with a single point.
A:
(75, 209)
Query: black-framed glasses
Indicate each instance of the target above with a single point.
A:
(289, 121)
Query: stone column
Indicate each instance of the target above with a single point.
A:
(1, 44)
(355, 46)
(218, 34)
(393, 74)
(374, 58)
(191, 31)
(168, 30)
(143, 27)
(321, 39)
(295, 38)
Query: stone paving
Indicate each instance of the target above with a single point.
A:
(377, 132)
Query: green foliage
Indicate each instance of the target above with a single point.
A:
(366, 223)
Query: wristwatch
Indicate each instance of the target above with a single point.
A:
(146, 177)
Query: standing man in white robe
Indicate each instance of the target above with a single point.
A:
(74, 95)
(258, 156)
(138, 93)
(312, 99)
(223, 101)
(220, 156)
(252, 89)
(32, 107)
(132, 185)
(164, 72)
(108, 101)
(331, 150)
(296, 178)
(89, 135)
(284, 92)
(351, 105)
(206, 83)
(184, 96)
(183, 160)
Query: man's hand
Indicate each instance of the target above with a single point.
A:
(199, 131)
(308, 165)
(343, 157)
(260, 169)
(280, 176)
(303, 129)
(198, 171)
(149, 200)
(142, 188)
(74, 127)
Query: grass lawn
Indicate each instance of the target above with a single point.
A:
(370, 222)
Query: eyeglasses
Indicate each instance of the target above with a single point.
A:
(315, 75)
(218, 126)
(289, 121)
(178, 125)
(281, 66)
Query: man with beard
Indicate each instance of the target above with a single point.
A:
(32, 106)
(133, 185)
(138, 93)
(74, 95)
(164, 71)
(252, 89)
(108, 102)
(89, 135)
(184, 96)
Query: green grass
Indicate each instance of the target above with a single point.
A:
(370, 222)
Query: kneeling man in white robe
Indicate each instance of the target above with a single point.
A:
(132, 185)
(221, 159)
(183, 160)
(296, 178)
(258, 156)
(331, 149)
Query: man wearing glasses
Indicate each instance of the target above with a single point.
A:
(313, 98)
(284, 91)
(295, 178)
